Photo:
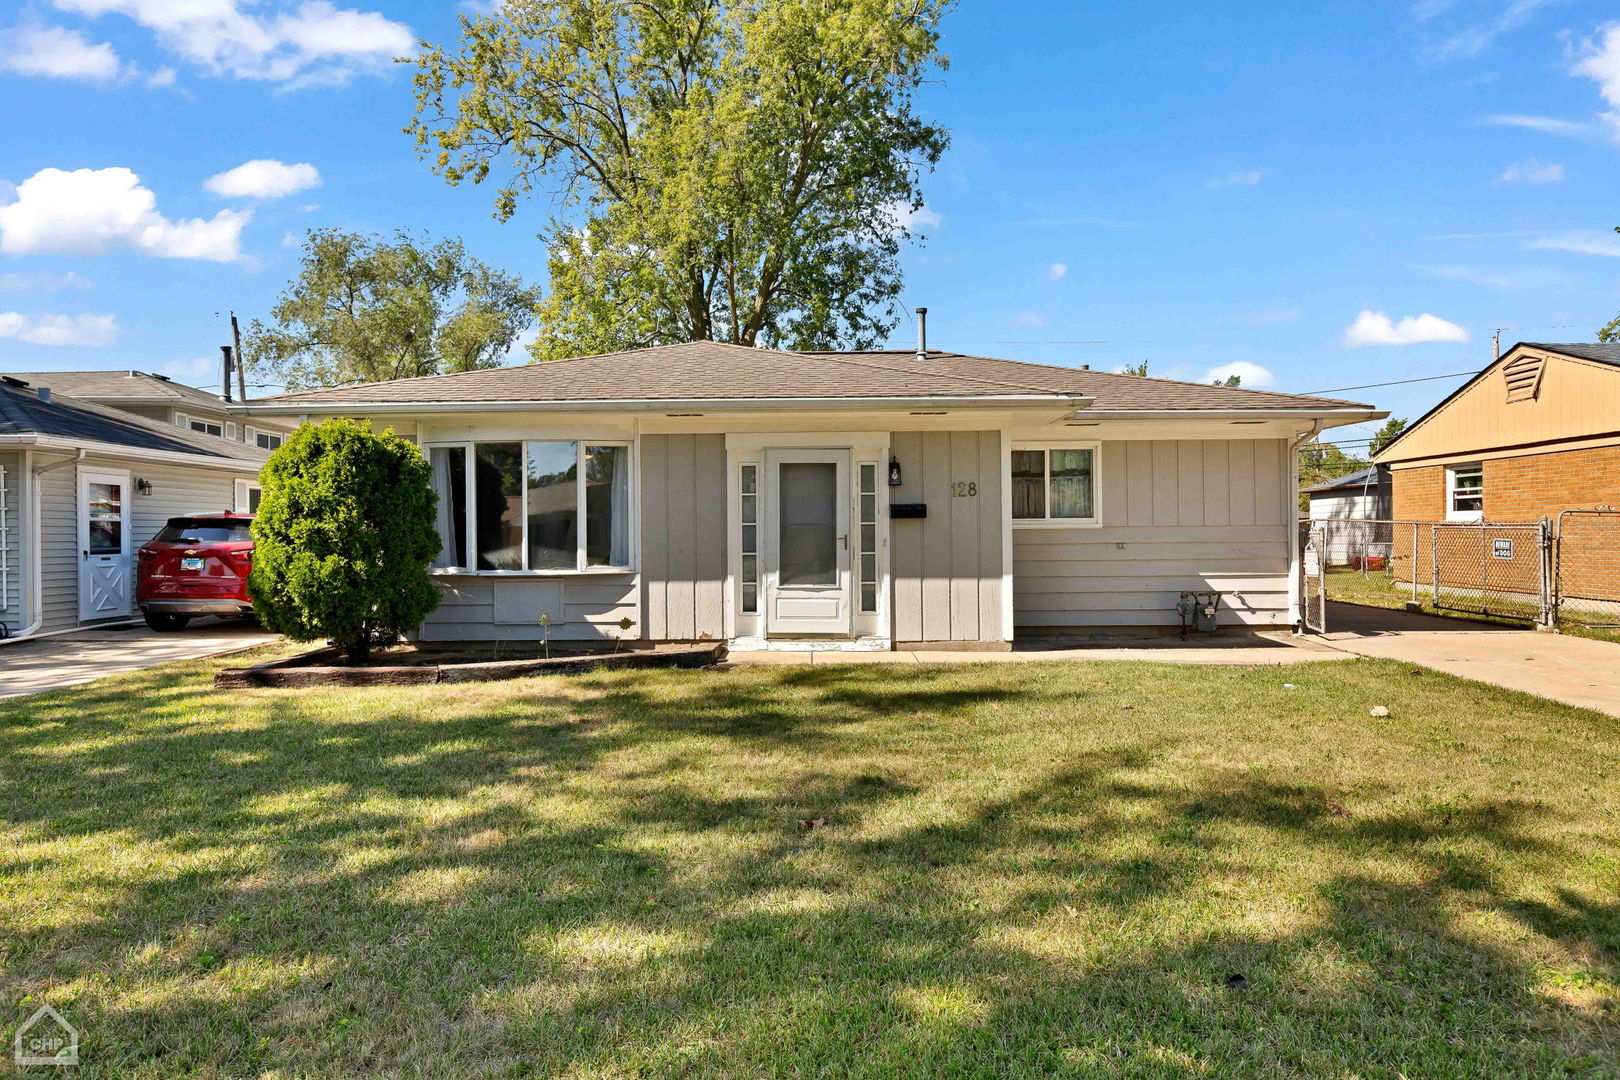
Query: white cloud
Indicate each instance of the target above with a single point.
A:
(1469, 41)
(1600, 62)
(314, 44)
(1547, 125)
(1276, 315)
(196, 370)
(1496, 278)
(1531, 171)
(1029, 318)
(92, 331)
(1252, 375)
(1056, 271)
(913, 221)
(57, 53)
(1375, 328)
(264, 178)
(101, 211)
(44, 281)
(163, 76)
(1247, 178)
(1580, 241)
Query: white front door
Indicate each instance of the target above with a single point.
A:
(807, 537)
(105, 588)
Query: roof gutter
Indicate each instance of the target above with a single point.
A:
(1297, 413)
(977, 401)
(134, 453)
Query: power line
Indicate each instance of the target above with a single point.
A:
(1397, 382)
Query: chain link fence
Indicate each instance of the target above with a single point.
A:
(1495, 569)
(1586, 590)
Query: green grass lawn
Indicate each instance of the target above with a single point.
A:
(1024, 871)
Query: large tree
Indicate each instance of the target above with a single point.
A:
(734, 170)
(365, 308)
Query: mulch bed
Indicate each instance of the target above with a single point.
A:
(420, 667)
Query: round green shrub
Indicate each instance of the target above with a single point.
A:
(343, 538)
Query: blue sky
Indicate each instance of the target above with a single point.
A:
(1337, 194)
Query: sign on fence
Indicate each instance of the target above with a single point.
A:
(1501, 549)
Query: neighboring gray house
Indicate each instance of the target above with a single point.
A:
(81, 488)
(158, 397)
(1363, 496)
(854, 500)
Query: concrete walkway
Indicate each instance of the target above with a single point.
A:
(1262, 648)
(1574, 670)
(32, 667)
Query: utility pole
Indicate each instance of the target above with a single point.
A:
(241, 376)
(1496, 344)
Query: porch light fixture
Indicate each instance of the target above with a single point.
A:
(894, 472)
(143, 486)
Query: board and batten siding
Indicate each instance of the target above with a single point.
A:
(946, 568)
(1188, 514)
(13, 551)
(683, 536)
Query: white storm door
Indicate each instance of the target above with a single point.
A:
(105, 587)
(807, 561)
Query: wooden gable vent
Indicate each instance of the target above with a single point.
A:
(1523, 377)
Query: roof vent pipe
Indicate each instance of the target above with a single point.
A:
(44, 393)
(922, 333)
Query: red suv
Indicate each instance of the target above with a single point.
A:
(196, 565)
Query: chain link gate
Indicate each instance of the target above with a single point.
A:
(1492, 568)
(1313, 581)
(1586, 587)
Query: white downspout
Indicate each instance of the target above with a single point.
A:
(1291, 472)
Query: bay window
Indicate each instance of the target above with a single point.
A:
(1055, 483)
(532, 506)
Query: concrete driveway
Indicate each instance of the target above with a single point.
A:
(32, 667)
(1577, 671)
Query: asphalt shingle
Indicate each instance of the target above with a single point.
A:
(707, 370)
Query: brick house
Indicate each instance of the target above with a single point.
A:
(1535, 433)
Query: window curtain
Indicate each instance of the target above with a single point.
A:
(1071, 484)
(449, 516)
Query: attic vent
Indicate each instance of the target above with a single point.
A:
(1523, 377)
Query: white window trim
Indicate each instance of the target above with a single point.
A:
(243, 487)
(1092, 522)
(633, 526)
(1451, 489)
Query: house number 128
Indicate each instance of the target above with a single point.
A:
(964, 490)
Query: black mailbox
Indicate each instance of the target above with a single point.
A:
(908, 510)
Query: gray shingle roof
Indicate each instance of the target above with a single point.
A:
(1603, 354)
(1359, 478)
(706, 370)
(134, 387)
(22, 413)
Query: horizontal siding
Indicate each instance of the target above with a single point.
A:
(59, 547)
(13, 563)
(508, 609)
(1177, 515)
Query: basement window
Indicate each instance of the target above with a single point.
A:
(1465, 493)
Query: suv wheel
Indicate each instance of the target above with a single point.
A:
(163, 621)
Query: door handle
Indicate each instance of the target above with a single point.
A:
(844, 541)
